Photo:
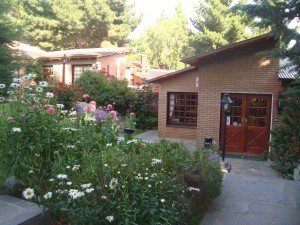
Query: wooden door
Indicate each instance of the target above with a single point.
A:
(248, 125)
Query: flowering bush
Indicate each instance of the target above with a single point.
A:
(72, 163)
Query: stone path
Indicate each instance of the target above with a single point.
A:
(253, 194)
(151, 136)
(15, 211)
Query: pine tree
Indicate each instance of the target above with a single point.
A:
(282, 18)
(218, 26)
(7, 34)
(57, 24)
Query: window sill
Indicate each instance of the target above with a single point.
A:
(181, 126)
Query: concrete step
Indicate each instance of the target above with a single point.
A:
(15, 211)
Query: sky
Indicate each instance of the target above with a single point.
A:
(152, 9)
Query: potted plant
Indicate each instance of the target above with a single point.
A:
(129, 123)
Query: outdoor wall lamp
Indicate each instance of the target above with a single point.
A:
(225, 104)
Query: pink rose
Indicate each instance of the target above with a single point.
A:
(51, 110)
(113, 114)
(86, 96)
(93, 103)
(91, 108)
(109, 107)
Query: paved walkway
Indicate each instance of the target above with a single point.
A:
(151, 136)
(253, 194)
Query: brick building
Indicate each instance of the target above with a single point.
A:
(189, 99)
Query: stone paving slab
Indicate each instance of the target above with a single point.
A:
(15, 211)
(152, 136)
(249, 199)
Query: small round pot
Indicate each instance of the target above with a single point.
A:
(129, 131)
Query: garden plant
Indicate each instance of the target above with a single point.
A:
(74, 163)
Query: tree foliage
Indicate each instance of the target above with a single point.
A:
(218, 26)
(165, 43)
(283, 19)
(60, 24)
(7, 34)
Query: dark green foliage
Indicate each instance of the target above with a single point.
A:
(107, 91)
(66, 94)
(60, 24)
(7, 35)
(280, 16)
(285, 154)
(145, 107)
(35, 67)
(218, 26)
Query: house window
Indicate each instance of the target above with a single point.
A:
(77, 70)
(48, 72)
(182, 108)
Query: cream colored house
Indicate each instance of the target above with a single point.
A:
(68, 65)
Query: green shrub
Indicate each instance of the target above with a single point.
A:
(285, 153)
(105, 91)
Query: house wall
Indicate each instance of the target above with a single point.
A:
(115, 63)
(240, 72)
(182, 83)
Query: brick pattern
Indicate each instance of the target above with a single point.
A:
(240, 72)
(182, 83)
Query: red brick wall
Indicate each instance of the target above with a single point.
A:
(241, 72)
(181, 83)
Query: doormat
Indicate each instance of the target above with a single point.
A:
(247, 157)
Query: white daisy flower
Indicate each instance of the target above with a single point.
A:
(109, 145)
(43, 84)
(105, 165)
(123, 165)
(193, 189)
(69, 183)
(2, 86)
(16, 129)
(28, 88)
(163, 200)
(109, 218)
(76, 167)
(64, 112)
(49, 95)
(16, 80)
(62, 176)
(14, 85)
(48, 195)
(51, 179)
(149, 186)
(74, 194)
(156, 161)
(39, 89)
(113, 183)
(89, 190)
(103, 197)
(27, 77)
(68, 167)
(70, 146)
(10, 92)
(84, 186)
(60, 106)
(30, 171)
(28, 193)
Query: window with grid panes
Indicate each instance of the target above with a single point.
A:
(79, 69)
(182, 108)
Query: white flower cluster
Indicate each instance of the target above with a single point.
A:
(132, 141)
(109, 218)
(76, 167)
(16, 129)
(62, 176)
(48, 195)
(85, 186)
(156, 161)
(113, 183)
(193, 189)
(74, 194)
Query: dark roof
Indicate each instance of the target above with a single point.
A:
(172, 74)
(194, 60)
(286, 70)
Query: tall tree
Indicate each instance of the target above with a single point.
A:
(7, 34)
(218, 26)
(166, 42)
(60, 24)
(283, 19)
